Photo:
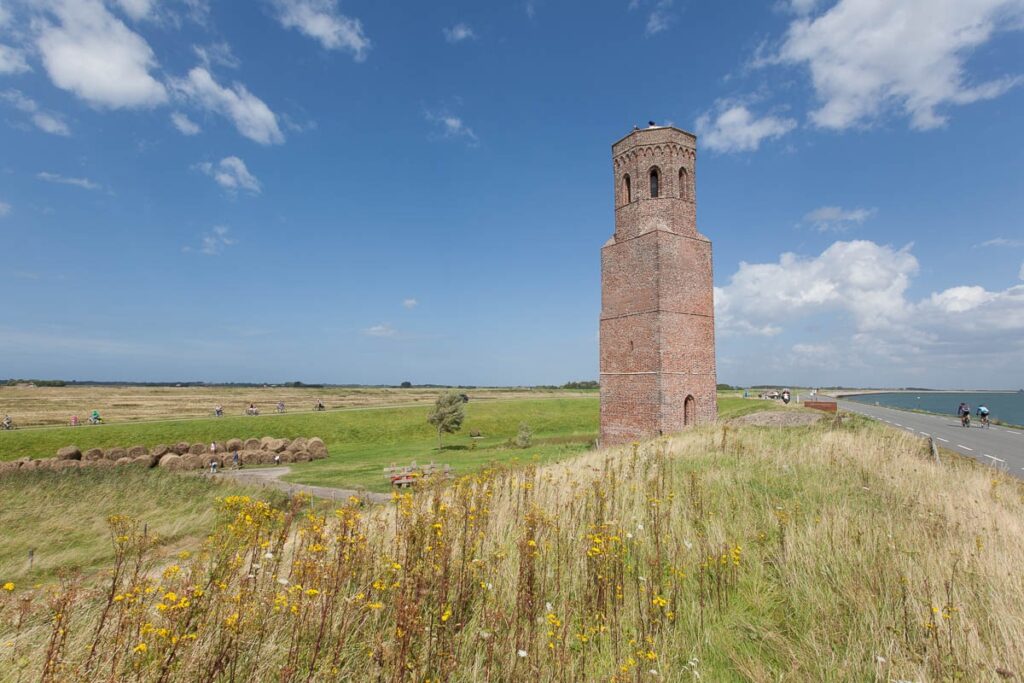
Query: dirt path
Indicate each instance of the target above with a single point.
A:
(271, 476)
(779, 418)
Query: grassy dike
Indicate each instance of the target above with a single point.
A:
(832, 552)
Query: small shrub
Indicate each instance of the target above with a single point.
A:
(524, 437)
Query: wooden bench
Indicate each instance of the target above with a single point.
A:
(407, 475)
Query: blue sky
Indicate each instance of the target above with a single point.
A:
(374, 192)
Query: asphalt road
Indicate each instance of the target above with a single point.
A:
(996, 446)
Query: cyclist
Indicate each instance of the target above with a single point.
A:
(280, 406)
(964, 413)
(983, 415)
(95, 417)
(7, 424)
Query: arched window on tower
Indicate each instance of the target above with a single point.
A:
(655, 182)
(684, 184)
(627, 190)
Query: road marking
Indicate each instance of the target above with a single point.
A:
(925, 433)
(897, 424)
(993, 457)
(966, 448)
(942, 440)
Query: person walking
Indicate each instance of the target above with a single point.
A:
(234, 460)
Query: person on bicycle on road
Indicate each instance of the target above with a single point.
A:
(983, 414)
(963, 411)
(96, 419)
(7, 424)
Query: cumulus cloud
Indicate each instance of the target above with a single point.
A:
(83, 183)
(868, 57)
(5, 209)
(321, 20)
(381, 330)
(836, 218)
(91, 53)
(184, 124)
(214, 242)
(450, 126)
(232, 174)
(734, 128)
(12, 60)
(860, 289)
(137, 9)
(410, 303)
(459, 33)
(251, 116)
(46, 121)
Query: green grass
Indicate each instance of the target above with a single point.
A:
(363, 442)
(62, 516)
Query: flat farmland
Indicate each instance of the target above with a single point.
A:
(31, 406)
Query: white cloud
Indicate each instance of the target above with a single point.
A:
(216, 54)
(184, 124)
(735, 129)
(12, 60)
(1021, 273)
(232, 174)
(381, 330)
(5, 209)
(137, 9)
(213, 242)
(410, 303)
(83, 183)
(94, 55)
(46, 121)
(321, 20)
(452, 127)
(836, 218)
(867, 57)
(251, 116)
(459, 33)
(852, 300)
(1001, 242)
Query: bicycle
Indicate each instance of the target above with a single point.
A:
(965, 420)
(985, 422)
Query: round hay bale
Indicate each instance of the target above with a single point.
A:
(170, 461)
(136, 451)
(265, 442)
(102, 463)
(143, 460)
(251, 444)
(303, 456)
(285, 457)
(160, 451)
(317, 447)
(6, 467)
(28, 464)
(65, 464)
(249, 457)
(123, 461)
(115, 454)
(319, 455)
(180, 448)
(69, 453)
(298, 444)
(191, 461)
(93, 454)
(198, 449)
(234, 445)
(279, 445)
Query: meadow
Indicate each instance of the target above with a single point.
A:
(838, 551)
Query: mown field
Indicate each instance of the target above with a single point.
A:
(362, 442)
(832, 552)
(35, 406)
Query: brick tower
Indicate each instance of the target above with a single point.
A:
(657, 296)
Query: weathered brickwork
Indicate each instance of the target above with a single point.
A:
(657, 296)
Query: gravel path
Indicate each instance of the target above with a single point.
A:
(271, 476)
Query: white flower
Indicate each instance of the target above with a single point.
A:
(269, 555)
(521, 653)
(548, 607)
(283, 581)
(880, 659)
(629, 536)
(639, 527)
(689, 546)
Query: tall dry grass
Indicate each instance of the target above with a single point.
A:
(835, 552)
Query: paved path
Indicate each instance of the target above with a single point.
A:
(997, 446)
(271, 476)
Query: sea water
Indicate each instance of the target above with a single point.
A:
(1003, 406)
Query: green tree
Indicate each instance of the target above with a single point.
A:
(447, 415)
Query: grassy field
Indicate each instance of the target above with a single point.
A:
(362, 442)
(62, 517)
(35, 406)
(835, 552)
